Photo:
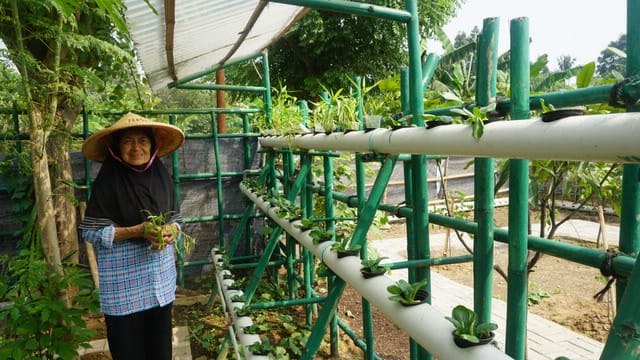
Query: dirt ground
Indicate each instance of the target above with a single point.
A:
(559, 290)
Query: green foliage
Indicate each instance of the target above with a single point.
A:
(335, 111)
(373, 264)
(313, 51)
(262, 347)
(319, 234)
(405, 292)
(17, 175)
(612, 60)
(38, 324)
(535, 294)
(344, 233)
(158, 222)
(466, 324)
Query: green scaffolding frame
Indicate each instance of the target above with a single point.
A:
(297, 185)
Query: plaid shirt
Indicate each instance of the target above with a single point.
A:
(132, 276)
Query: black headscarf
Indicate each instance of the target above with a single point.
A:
(121, 195)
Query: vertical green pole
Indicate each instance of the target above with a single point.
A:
(428, 68)
(518, 198)
(176, 189)
(247, 165)
(629, 223)
(418, 162)
(367, 315)
(216, 148)
(330, 225)
(408, 198)
(287, 176)
(484, 181)
(307, 256)
(623, 341)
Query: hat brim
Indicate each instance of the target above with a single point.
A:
(167, 137)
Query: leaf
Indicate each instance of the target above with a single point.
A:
(585, 75)
(536, 68)
(617, 52)
(477, 128)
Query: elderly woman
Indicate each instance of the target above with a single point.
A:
(136, 267)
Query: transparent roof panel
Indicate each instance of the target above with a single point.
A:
(205, 33)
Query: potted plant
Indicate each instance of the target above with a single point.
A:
(408, 293)
(319, 234)
(305, 224)
(341, 246)
(467, 330)
(372, 267)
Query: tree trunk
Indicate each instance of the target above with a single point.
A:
(63, 195)
(42, 185)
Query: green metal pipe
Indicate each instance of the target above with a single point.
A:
(214, 69)
(429, 67)
(220, 195)
(623, 341)
(288, 170)
(223, 136)
(591, 95)
(221, 87)
(330, 225)
(328, 311)
(209, 175)
(205, 111)
(622, 265)
(357, 340)
(176, 189)
(286, 303)
(408, 196)
(430, 262)
(484, 176)
(518, 198)
(217, 218)
(418, 162)
(307, 256)
(351, 7)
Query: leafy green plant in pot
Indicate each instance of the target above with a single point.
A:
(305, 224)
(372, 267)
(467, 330)
(341, 246)
(408, 293)
(318, 234)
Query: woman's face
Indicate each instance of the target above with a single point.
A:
(135, 147)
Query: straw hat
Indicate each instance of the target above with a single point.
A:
(167, 137)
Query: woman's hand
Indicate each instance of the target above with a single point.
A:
(159, 236)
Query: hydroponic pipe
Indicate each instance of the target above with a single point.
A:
(605, 138)
(239, 322)
(414, 320)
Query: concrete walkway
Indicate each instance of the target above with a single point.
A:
(546, 339)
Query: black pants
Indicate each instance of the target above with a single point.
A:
(142, 335)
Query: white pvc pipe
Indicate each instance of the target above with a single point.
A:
(239, 322)
(606, 138)
(426, 325)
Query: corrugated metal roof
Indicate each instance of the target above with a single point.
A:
(206, 33)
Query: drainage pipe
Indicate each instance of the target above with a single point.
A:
(414, 320)
(239, 322)
(603, 137)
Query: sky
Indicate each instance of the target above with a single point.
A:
(580, 28)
